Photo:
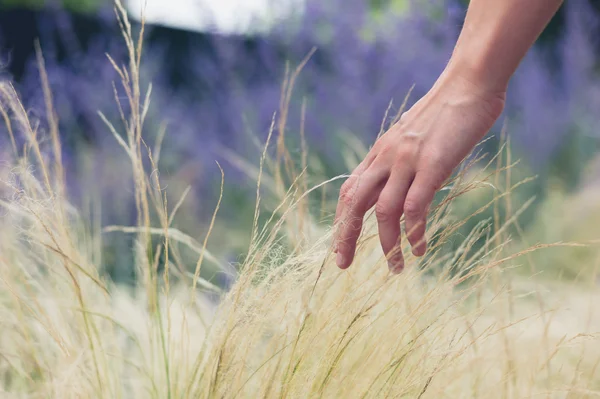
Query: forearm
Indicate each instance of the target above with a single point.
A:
(496, 36)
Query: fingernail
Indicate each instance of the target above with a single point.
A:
(340, 260)
(419, 250)
(397, 269)
(396, 264)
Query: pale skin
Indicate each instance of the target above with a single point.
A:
(409, 163)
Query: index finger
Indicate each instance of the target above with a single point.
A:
(365, 193)
(348, 186)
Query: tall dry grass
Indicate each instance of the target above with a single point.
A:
(456, 324)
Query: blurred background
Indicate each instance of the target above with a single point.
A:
(217, 68)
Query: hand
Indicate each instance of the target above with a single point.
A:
(409, 164)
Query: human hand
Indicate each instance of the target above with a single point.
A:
(409, 163)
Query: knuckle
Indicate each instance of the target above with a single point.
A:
(347, 199)
(345, 187)
(410, 136)
(413, 208)
(346, 193)
(404, 153)
(409, 147)
(385, 148)
(404, 120)
(434, 159)
(383, 211)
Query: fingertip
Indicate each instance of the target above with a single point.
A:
(419, 250)
(396, 263)
(397, 268)
(416, 238)
(341, 261)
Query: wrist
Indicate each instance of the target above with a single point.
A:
(458, 87)
(476, 75)
(461, 81)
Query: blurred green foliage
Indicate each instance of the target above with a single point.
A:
(571, 160)
(71, 5)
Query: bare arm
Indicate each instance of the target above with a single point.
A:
(410, 162)
(496, 36)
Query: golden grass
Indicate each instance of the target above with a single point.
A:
(292, 326)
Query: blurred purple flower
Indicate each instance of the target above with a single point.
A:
(232, 85)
